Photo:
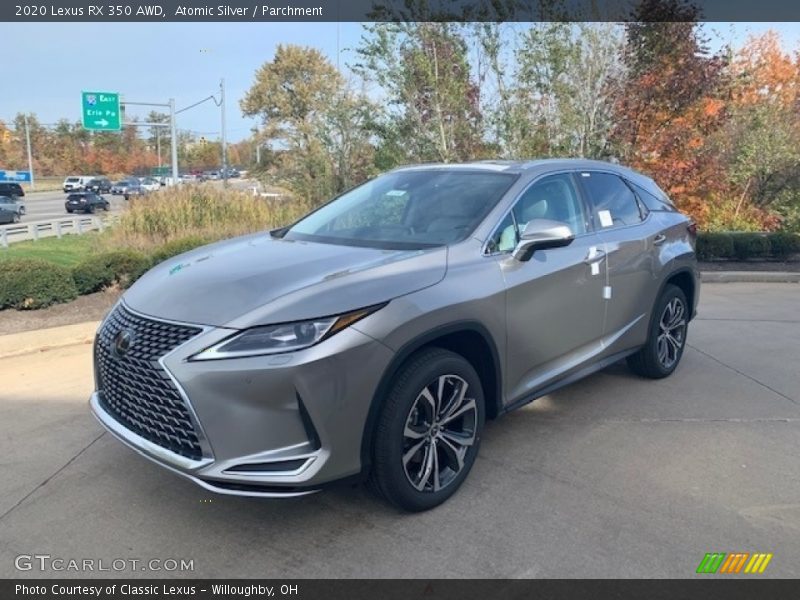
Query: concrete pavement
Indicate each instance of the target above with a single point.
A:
(614, 476)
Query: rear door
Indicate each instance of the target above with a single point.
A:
(630, 240)
(554, 300)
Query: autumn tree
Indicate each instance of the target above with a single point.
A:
(761, 141)
(670, 102)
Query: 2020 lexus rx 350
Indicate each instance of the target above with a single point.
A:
(373, 337)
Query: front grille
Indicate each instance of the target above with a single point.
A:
(134, 387)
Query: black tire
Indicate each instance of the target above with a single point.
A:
(69, 211)
(106, 206)
(91, 209)
(407, 416)
(651, 361)
(15, 218)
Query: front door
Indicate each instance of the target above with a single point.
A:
(554, 300)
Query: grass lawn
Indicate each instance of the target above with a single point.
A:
(67, 251)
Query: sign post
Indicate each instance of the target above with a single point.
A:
(100, 111)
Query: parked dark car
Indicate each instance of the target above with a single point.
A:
(10, 211)
(87, 202)
(13, 191)
(99, 185)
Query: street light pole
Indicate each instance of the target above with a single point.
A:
(224, 141)
(30, 156)
(174, 132)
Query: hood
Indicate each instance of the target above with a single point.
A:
(257, 280)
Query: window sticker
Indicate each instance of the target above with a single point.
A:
(605, 218)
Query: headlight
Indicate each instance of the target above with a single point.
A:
(281, 338)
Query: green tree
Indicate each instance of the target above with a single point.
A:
(316, 127)
(423, 71)
(548, 90)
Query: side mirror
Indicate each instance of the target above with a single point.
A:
(540, 234)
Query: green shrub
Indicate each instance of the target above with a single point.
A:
(29, 283)
(714, 245)
(751, 245)
(176, 247)
(92, 275)
(126, 265)
(784, 244)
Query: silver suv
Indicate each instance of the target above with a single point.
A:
(372, 338)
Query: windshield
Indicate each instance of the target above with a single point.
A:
(407, 209)
(73, 179)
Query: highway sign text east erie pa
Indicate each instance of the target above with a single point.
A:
(101, 111)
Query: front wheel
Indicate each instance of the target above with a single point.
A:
(106, 206)
(428, 431)
(666, 339)
(15, 218)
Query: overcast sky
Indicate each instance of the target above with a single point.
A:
(48, 64)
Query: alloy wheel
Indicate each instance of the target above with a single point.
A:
(672, 333)
(439, 431)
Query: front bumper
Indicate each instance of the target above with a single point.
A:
(271, 426)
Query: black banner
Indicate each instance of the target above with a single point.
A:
(437, 589)
(393, 10)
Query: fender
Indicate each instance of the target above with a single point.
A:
(692, 272)
(400, 358)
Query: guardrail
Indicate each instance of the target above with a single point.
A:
(34, 230)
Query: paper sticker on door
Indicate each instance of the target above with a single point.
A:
(605, 218)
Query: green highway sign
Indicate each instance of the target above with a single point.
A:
(101, 111)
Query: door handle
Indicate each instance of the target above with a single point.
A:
(659, 239)
(592, 258)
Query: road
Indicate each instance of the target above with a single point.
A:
(46, 206)
(50, 205)
(613, 476)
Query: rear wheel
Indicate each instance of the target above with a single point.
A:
(660, 356)
(15, 218)
(428, 431)
(106, 206)
(91, 209)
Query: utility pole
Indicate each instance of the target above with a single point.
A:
(224, 142)
(30, 156)
(174, 131)
(158, 148)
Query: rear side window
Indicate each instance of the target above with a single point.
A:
(614, 202)
(652, 201)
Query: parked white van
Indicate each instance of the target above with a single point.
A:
(75, 183)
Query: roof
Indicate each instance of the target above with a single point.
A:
(520, 166)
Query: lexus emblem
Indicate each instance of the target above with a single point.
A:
(122, 343)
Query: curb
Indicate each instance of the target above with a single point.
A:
(749, 277)
(42, 340)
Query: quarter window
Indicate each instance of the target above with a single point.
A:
(614, 202)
